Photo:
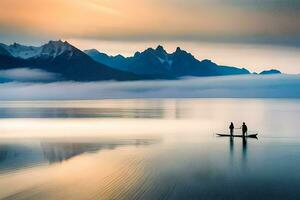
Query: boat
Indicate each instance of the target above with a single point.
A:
(228, 135)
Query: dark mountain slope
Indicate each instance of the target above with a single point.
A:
(159, 62)
(64, 59)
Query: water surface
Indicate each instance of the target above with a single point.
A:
(149, 149)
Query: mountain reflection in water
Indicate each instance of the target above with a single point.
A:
(58, 152)
(15, 156)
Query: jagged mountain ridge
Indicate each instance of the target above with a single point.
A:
(50, 49)
(91, 65)
(21, 51)
(158, 61)
(64, 59)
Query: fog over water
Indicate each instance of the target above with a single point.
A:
(27, 75)
(246, 86)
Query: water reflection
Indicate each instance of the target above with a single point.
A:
(231, 145)
(231, 151)
(58, 152)
(190, 163)
(80, 113)
(244, 153)
(15, 156)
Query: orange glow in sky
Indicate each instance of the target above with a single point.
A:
(211, 29)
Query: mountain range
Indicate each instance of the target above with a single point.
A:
(157, 61)
(70, 63)
(61, 58)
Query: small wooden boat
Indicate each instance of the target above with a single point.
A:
(228, 135)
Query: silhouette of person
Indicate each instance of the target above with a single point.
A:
(231, 128)
(244, 129)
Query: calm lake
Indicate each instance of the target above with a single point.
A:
(149, 149)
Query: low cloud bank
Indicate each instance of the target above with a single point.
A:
(250, 86)
(26, 75)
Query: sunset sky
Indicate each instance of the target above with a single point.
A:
(256, 34)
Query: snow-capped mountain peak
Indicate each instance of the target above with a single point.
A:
(164, 57)
(55, 48)
(22, 51)
(50, 50)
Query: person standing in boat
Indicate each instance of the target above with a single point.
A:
(244, 129)
(231, 128)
